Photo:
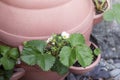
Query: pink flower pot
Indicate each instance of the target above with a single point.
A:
(35, 73)
(29, 19)
(33, 4)
(99, 17)
(18, 74)
(82, 70)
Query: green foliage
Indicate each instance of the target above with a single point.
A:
(5, 74)
(33, 53)
(59, 52)
(113, 13)
(76, 39)
(67, 56)
(55, 45)
(29, 59)
(97, 51)
(84, 55)
(38, 45)
(7, 63)
(77, 51)
(13, 53)
(59, 67)
(45, 61)
(8, 58)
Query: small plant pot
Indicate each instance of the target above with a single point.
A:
(82, 70)
(99, 17)
(35, 73)
(19, 72)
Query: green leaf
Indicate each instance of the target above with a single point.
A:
(29, 59)
(8, 64)
(29, 51)
(36, 44)
(59, 68)
(13, 53)
(116, 7)
(45, 61)
(113, 14)
(4, 50)
(108, 15)
(67, 56)
(84, 55)
(97, 51)
(8, 74)
(33, 54)
(116, 10)
(76, 39)
(103, 1)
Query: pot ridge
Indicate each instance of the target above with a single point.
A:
(35, 4)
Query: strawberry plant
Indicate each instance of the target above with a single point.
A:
(58, 53)
(8, 58)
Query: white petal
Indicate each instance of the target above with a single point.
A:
(18, 61)
(49, 39)
(65, 35)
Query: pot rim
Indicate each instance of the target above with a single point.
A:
(37, 69)
(18, 74)
(20, 38)
(35, 4)
(76, 28)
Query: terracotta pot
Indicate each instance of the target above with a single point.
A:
(35, 73)
(32, 4)
(18, 74)
(29, 19)
(99, 17)
(81, 70)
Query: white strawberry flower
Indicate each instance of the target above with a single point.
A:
(65, 35)
(18, 61)
(49, 39)
(53, 43)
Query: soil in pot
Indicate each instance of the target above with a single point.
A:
(78, 69)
